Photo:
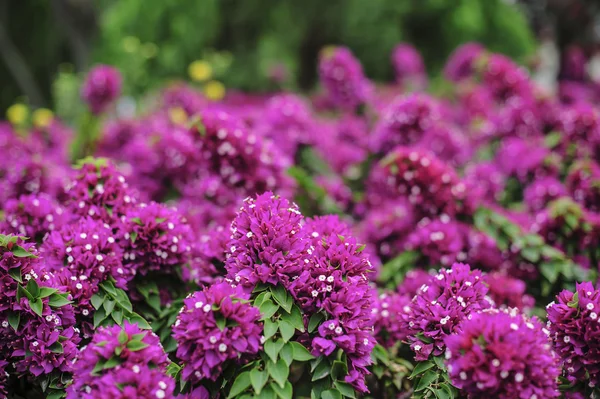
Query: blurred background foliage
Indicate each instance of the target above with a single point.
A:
(243, 42)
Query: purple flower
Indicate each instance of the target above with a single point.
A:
(267, 242)
(441, 305)
(404, 122)
(3, 378)
(504, 355)
(216, 326)
(99, 191)
(440, 240)
(43, 338)
(342, 77)
(583, 183)
(83, 254)
(485, 181)
(574, 329)
(184, 97)
(389, 329)
(542, 191)
(157, 238)
(525, 159)
(122, 362)
(33, 216)
(101, 88)
(462, 62)
(507, 291)
(506, 79)
(429, 184)
(409, 66)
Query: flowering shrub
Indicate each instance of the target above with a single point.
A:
(373, 241)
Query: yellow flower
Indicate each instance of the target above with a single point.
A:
(214, 90)
(178, 116)
(17, 114)
(42, 117)
(200, 71)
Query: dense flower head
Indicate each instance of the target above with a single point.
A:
(287, 121)
(44, 338)
(185, 97)
(343, 143)
(390, 306)
(386, 225)
(33, 216)
(342, 77)
(32, 174)
(116, 135)
(524, 159)
(52, 140)
(267, 242)
(99, 191)
(574, 329)
(583, 183)
(461, 64)
(440, 240)
(157, 238)
(413, 281)
(580, 128)
(518, 117)
(504, 355)
(82, 254)
(447, 143)
(404, 122)
(542, 191)
(101, 88)
(408, 66)
(243, 161)
(216, 326)
(485, 181)
(507, 291)
(431, 185)
(122, 362)
(506, 79)
(441, 305)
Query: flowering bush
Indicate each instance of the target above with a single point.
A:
(367, 242)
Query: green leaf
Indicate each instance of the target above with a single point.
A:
(530, 254)
(345, 389)
(272, 348)
(287, 354)
(241, 383)
(99, 317)
(46, 292)
(57, 300)
(321, 371)
(268, 309)
(14, 319)
(22, 292)
(421, 367)
(331, 394)
(139, 320)
(442, 393)
(123, 337)
(278, 371)
(339, 370)
(574, 302)
(112, 362)
(287, 330)
(15, 273)
(56, 347)
(295, 318)
(270, 328)
(21, 252)
(133, 236)
(135, 346)
(258, 379)
(97, 301)
(37, 306)
(426, 380)
(261, 298)
(137, 220)
(300, 352)
(314, 321)
(109, 305)
(33, 288)
(282, 297)
(284, 393)
(268, 393)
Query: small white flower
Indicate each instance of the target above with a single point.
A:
(495, 362)
(170, 225)
(365, 341)
(88, 247)
(593, 316)
(101, 268)
(135, 368)
(567, 339)
(338, 330)
(315, 293)
(162, 385)
(504, 374)
(213, 339)
(417, 348)
(206, 308)
(78, 286)
(519, 377)
(85, 312)
(5, 324)
(332, 326)
(70, 259)
(35, 343)
(83, 235)
(321, 277)
(249, 234)
(222, 348)
(514, 326)
(160, 394)
(463, 375)
(385, 313)
(330, 279)
(590, 306)
(99, 258)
